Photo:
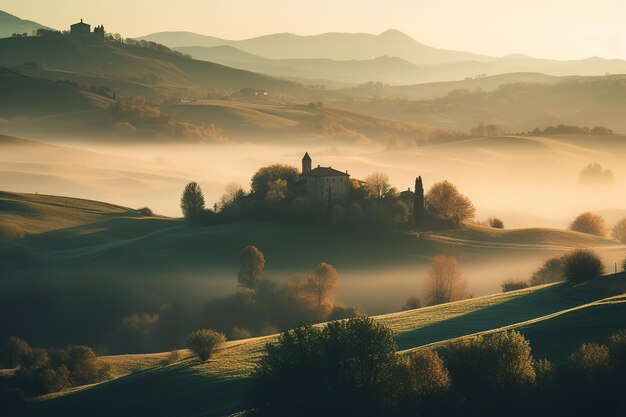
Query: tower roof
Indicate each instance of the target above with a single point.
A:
(306, 157)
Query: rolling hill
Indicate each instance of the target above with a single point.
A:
(589, 101)
(582, 313)
(337, 46)
(10, 24)
(111, 60)
(384, 69)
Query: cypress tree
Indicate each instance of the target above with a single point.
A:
(419, 211)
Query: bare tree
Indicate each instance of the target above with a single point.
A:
(232, 191)
(377, 184)
(590, 223)
(445, 282)
(251, 267)
(323, 284)
(445, 200)
(619, 230)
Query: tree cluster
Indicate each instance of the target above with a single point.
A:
(350, 368)
(41, 371)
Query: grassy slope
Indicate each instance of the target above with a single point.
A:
(555, 318)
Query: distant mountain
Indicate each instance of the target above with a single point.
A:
(385, 69)
(337, 46)
(10, 24)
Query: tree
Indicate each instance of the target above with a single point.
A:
(277, 190)
(323, 284)
(412, 303)
(192, 202)
(444, 199)
(232, 192)
(582, 265)
(251, 267)
(480, 365)
(590, 360)
(419, 207)
(265, 176)
(16, 351)
(340, 369)
(496, 223)
(204, 342)
(426, 372)
(590, 223)
(550, 271)
(512, 285)
(377, 184)
(445, 282)
(619, 230)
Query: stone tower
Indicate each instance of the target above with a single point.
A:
(306, 163)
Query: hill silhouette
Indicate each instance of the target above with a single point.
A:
(10, 24)
(338, 46)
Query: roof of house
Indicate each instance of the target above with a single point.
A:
(80, 24)
(325, 172)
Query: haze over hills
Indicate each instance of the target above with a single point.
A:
(338, 46)
(10, 24)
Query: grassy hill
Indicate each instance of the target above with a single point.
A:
(556, 319)
(111, 60)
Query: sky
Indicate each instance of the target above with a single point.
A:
(557, 29)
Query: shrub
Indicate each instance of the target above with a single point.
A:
(340, 369)
(589, 361)
(204, 342)
(496, 223)
(411, 304)
(500, 362)
(582, 265)
(619, 231)
(550, 271)
(145, 211)
(426, 372)
(617, 349)
(591, 224)
(16, 352)
(512, 285)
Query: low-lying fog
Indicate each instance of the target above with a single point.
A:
(526, 182)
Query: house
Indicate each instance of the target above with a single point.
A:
(407, 195)
(321, 181)
(84, 30)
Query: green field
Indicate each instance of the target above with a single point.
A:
(556, 318)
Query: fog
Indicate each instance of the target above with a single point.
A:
(528, 182)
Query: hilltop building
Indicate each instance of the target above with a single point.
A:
(84, 29)
(321, 181)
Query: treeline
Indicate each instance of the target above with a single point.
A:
(571, 130)
(350, 368)
(277, 193)
(40, 371)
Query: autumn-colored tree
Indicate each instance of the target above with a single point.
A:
(277, 190)
(251, 267)
(264, 177)
(445, 200)
(323, 284)
(232, 192)
(192, 202)
(590, 223)
(445, 282)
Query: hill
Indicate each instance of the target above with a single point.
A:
(337, 46)
(586, 312)
(589, 101)
(383, 69)
(114, 60)
(10, 24)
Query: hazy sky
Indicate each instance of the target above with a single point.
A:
(544, 28)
